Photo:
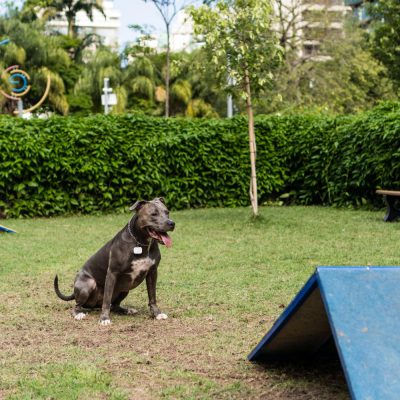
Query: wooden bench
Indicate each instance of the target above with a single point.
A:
(391, 198)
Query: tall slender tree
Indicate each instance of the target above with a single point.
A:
(240, 41)
(168, 10)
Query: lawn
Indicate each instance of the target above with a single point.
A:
(223, 283)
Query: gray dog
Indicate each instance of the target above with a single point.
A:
(123, 263)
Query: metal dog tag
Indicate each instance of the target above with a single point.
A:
(137, 250)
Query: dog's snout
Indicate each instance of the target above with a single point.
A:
(171, 223)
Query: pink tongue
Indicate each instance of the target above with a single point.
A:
(166, 239)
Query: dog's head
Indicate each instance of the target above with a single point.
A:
(153, 218)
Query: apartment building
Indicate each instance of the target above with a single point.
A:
(359, 10)
(303, 25)
(107, 27)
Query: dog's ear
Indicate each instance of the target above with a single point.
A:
(160, 199)
(138, 205)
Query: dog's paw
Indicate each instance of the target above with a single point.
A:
(105, 322)
(80, 316)
(131, 311)
(161, 316)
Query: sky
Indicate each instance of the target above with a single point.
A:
(132, 12)
(137, 12)
(142, 13)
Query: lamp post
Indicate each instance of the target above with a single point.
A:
(20, 108)
(229, 102)
(109, 98)
(106, 90)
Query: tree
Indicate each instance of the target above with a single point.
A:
(190, 86)
(168, 10)
(239, 39)
(385, 35)
(101, 64)
(193, 88)
(50, 8)
(140, 77)
(349, 79)
(327, 64)
(289, 23)
(207, 99)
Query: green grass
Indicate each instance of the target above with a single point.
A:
(222, 284)
(66, 382)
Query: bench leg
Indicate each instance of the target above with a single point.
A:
(392, 211)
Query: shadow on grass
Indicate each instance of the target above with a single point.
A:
(321, 374)
(257, 220)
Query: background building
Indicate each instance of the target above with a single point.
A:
(321, 19)
(303, 25)
(182, 33)
(181, 36)
(359, 10)
(106, 27)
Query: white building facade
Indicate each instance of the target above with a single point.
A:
(301, 21)
(303, 24)
(107, 27)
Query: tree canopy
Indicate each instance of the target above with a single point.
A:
(385, 35)
(361, 70)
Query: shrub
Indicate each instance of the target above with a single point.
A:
(343, 160)
(63, 165)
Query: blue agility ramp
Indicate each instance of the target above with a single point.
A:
(360, 308)
(6, 230)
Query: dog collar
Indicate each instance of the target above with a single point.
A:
(138, 249)
(132, 235)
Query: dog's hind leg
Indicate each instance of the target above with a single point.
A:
(115, 306)
(78, 313)
(83, 289)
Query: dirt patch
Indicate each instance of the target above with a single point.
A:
(146, 358)
(201, 356)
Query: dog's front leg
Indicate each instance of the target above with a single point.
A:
(111, 278)
(151, 282)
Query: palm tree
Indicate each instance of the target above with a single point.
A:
(52, 8)
(103, 63)
(142, 78)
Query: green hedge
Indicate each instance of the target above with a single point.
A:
(343, 160)
(64, 165)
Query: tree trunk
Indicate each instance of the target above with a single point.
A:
(252, 142)
(71, 30)
(167, 75)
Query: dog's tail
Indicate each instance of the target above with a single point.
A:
(59, 294)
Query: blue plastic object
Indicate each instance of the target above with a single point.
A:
(360, 308)
(4, 42)
(7, 230)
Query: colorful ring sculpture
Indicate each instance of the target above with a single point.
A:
(19, 81)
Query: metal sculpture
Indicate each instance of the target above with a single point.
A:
(19, 82)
